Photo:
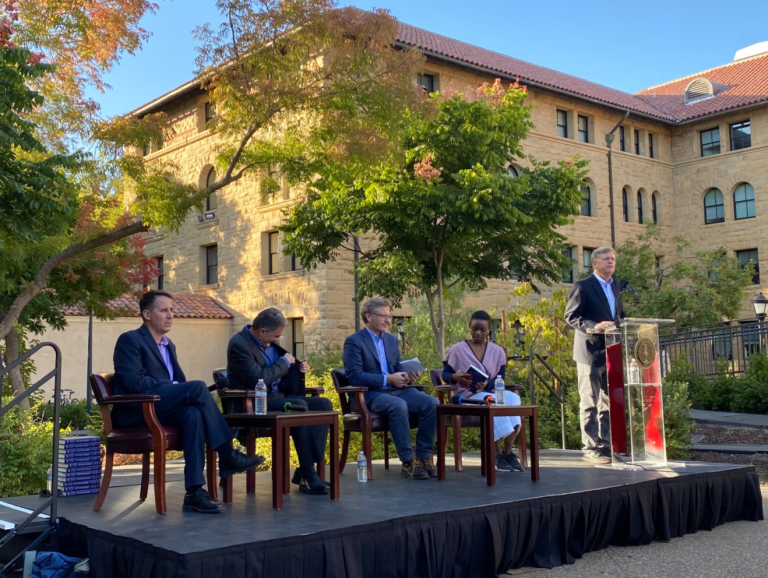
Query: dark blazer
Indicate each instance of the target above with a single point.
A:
(246, 365)
(587, 306)
(361, 360)
(139, 367)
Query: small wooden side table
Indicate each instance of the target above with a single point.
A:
(486, 413)
(280, 424)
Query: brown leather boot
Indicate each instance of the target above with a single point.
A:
(413, 470)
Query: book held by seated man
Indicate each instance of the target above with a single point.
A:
(413, 366)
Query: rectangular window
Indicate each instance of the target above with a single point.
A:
(568, 254)
(710, 142)
(583, 129)
(274, 253)
(145, 150)
(650, 145)
(210, 111)
(297, 337)
(562, 123)
(637, 142)
(741, 135)
(750, 256)
(426, 81)
(622, 139)
(211, 265)
(587, 258)
(161, 274)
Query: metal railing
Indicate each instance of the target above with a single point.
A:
(30, 525)
(557, 391)
(707, 346)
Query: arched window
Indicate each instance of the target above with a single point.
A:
(625, 204)
(639, 208)
(512, 172)
(744, 201)
(212, 202)
(714, 210)
(586, 200)
(654, 209)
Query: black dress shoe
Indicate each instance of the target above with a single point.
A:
(237, 463)
(313, 484)
(200, 501)
(296, 479)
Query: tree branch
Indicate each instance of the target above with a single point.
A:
(40, 283)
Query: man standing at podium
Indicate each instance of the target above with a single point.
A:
(592, 306)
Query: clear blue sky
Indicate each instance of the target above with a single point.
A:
(624, 45)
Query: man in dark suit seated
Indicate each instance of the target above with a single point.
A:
(592, 305)
(254, 354)
(145, 363)
(372, 359)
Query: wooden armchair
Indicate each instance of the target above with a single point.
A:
(245, 397)
(362, 419)
(154, 438)
(444, 393)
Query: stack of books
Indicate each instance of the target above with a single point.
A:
(79, 465)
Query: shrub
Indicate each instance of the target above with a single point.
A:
(74, 415)
(678, 425)
(751, 393)
(26, 449)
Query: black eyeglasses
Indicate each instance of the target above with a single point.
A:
(387, 317)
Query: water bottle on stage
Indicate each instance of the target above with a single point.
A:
(500, 392)
(260, 404)
(362, 467)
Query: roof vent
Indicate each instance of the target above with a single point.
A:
(753, 50)
(698, 89)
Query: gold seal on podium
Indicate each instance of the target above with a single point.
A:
(645, 352)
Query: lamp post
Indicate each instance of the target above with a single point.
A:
(608, 142)
(760, 305)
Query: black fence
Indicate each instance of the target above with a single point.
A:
(706, 346)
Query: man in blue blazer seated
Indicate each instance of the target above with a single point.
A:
(254, 354)
(372, 359)
(146, 363)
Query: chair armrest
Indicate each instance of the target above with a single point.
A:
(513, 387)
(352, 389)
(314, 391)
(137, 398)
(447, 388)
(236, 393)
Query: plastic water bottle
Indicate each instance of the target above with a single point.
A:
(261, 398)
(49, 479)
(634, 372)
(500, 392)
(362, 468)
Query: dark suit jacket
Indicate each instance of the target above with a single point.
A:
(587, 306)
(246, 365)
(139, 366)
(361, 360)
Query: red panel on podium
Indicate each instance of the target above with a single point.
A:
(615, 370)
(654, 436)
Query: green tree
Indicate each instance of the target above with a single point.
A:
(445, 210)
(705, 287)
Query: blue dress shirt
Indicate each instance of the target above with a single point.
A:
(270, 354)
(608, 290)
(166, 355)
(378, 341)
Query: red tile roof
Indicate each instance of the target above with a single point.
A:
(531, 74)
(185, 305)
(746, 80)
(746, 83)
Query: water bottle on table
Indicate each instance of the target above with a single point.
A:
(362, 467)
(260, 404)
(500, 392)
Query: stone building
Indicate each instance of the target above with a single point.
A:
(689, 156)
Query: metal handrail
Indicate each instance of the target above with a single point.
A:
(52, 502)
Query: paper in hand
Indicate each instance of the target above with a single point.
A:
(413, 366)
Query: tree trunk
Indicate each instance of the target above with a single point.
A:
(440, 337)
(12, 352)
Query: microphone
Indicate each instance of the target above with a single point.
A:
(625, 286)
(293, 407)
(222, 382)
(458, 400)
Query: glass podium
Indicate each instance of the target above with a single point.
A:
(634, 391)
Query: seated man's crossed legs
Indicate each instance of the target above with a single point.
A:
(309, 441)
(396, 404)
(189, 406)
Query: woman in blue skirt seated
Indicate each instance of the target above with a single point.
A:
(464, 365)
